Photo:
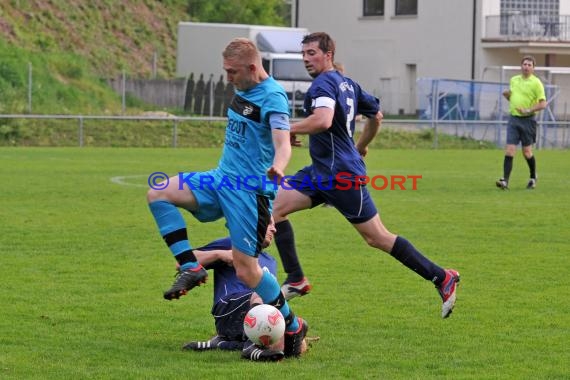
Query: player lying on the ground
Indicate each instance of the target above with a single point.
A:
(232, 300)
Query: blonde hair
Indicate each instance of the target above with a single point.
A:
(242, 49)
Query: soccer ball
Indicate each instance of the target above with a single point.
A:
(264, 325)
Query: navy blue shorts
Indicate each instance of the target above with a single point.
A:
(521, 129)
(229, 313)
(352, 200)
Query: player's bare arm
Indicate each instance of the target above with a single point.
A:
(371, 129)
(319, 121)
(537, 107)
(282, 144)
(209, 257)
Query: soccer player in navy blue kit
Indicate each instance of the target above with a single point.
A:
(257, 145)
(331, 104)
(233, 299)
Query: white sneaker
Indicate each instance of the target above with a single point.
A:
(447, 291)
(531, 184)
(295, 289)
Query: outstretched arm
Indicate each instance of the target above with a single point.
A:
(320, 120)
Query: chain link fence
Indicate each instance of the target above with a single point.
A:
(465, 109)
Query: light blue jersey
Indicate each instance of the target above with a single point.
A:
(239, 189)
(248, 149)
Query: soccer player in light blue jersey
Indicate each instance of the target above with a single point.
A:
(331, 104)
(257, 146)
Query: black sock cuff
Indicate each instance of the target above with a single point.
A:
(279, 301)
(398, 245)
(186, 257)
(283, 226)
(175, 236)
(290, 318)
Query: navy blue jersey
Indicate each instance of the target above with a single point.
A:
(226, 282)
(333, 150)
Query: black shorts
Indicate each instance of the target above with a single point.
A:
(521, 129)
(352, 200)
(229, 314)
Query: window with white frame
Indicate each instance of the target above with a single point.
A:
(531, 17)
(373, 8)
(406, 7)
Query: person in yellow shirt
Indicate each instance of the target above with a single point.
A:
(526, 97)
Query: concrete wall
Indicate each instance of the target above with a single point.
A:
(161, 92)
(386, 54)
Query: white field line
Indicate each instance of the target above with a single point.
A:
(124, 180)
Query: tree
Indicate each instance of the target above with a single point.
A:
(256, 12)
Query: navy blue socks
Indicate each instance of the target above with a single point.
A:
(404, 252)
(285, 242)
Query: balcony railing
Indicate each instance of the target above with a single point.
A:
(522, 27)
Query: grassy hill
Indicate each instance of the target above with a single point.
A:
(111, 35)
(72, 46)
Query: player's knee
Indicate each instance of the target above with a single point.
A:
(383, 242)
(373, 242)
(242, 275)
(510, 150)
(151, 195)
(279, 212)
(247, 276)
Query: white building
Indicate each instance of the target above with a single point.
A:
(386, 45)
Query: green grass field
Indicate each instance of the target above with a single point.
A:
(83, 268)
